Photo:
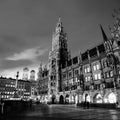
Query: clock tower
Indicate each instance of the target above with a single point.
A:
(58, 57)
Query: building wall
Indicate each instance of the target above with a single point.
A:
(42, 87)
(7, 88)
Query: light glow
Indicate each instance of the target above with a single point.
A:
(112, 98)
(88, 98)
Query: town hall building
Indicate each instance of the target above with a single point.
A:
(93, 75)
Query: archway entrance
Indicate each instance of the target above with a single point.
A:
(76, 99)
(110, 98)
(61, 99)
(73, 99)
(97, 98)
(87, 98)
(53, 99)
(67, 98)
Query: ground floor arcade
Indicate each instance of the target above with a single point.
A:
(106, 96)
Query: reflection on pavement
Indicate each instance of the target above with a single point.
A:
(114, 114)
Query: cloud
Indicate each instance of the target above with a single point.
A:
(28, 54)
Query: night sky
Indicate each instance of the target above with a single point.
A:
(26, 28)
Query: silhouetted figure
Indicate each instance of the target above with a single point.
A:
(2, 106)
(87, 105)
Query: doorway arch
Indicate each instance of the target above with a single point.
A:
(87, 97)
(67, 98)
(53, 99)
(97, 98)
(110, 98)
(61, 99)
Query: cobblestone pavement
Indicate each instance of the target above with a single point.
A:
(66, 112)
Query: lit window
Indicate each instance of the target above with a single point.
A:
(88, 78)
(111, 73)
(76, 80)
(107, 74)
(94, 67)
(98, 66)
(104, 64)
(88, 69)
(99, 76)
(95, 76)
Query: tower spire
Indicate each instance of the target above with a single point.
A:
(59, 19)
(59, 27)
(103, 34)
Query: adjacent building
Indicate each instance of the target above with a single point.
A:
(43, 76)
(8, 87)
(34, 85)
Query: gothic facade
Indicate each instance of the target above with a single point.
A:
(92, 76)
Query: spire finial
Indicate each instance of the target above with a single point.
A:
(59, 19)
(41, 65)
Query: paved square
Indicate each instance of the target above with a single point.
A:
(67, 112)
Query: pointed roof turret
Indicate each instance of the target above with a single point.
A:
(41, 65)
(103, 34)
(59, 20)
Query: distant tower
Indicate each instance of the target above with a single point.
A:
(57, 57)
(25, 73)
(32, 75)
(40, 70)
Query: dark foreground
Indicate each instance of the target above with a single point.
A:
(66, 112)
